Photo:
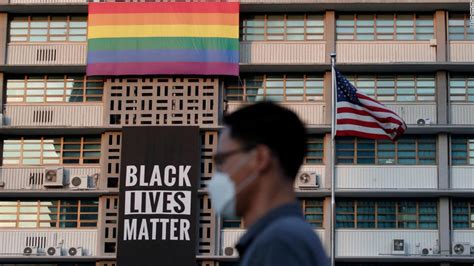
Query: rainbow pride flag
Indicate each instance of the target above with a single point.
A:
(197, 38)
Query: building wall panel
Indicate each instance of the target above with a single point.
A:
(67, 115)
(386, 177)
(462, 177)
(412, 112)
(461, 51)
(312, 113)
(360, 243)
(47, 54)
(282, 52)
(21, 178)
(18, 239)
(385, 51)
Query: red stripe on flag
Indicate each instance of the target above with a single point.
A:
(347, 121)
(164, 7)
(365, 113)
(354, 133)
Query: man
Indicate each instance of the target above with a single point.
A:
(259, 154)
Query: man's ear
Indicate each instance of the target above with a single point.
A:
(263, 158)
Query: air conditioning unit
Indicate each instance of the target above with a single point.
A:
(229, 251)
(399, 247)
(423, 121)
(75, 251)
(306, 180)
(28, 251)
(427, 251)
(53, 251)
(462, 249)
(79, 182)
(53, 177)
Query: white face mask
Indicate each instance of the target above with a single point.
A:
(223, 193)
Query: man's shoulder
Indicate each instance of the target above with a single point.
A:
(289, 229)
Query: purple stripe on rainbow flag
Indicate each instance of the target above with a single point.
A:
(163, 56)
(166, 68)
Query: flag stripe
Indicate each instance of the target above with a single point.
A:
(125, 31)
(365, 118)
(364, 124)
(164, 19)
(166, 68)
(342, 110)
(382, 115)
(163, 7)
(163, 56)
(362, 134)
(157, 43)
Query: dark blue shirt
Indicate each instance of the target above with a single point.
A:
(282, 237)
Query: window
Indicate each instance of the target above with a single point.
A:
(49, 213)
(461, 88)
(315, 150)
(370, 27)
(48, 29)
(278, 88)
(385, 214)
(51, 89)
(459, 29)
(463, 214)
(313, 210)
(398, 88)
(232, 222)
(407, 150)
(462, 150)
(280, 27)
(47, 151)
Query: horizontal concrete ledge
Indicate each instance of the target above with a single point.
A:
(400, 67)
(44, 259)
(378, 193)
(279, 6)
(401, 258)
(47, 193)
(387, 258)
(25, 131)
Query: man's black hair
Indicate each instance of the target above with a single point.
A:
(274, 126)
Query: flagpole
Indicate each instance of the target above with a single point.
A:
(333, 156)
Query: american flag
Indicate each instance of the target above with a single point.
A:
(358, 115)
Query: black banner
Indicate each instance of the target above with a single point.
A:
(160, 168)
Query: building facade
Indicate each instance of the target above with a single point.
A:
(61, 130)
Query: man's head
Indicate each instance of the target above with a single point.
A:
(261, 146)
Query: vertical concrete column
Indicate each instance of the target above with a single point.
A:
(444, 226)
(440, 35)
(327, 225)
(442, 98)
(3, 37)
(330, 34)
(327, 161)
(327, 98)
(3, 96)
(443, 162)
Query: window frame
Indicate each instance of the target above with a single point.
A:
(354, 141)
(398, 215)
(49, 20)
(267, 37)
(467, 36)
(21, 93)
(61, 157)
(38, 212)
(242, 91)
(375, 33)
